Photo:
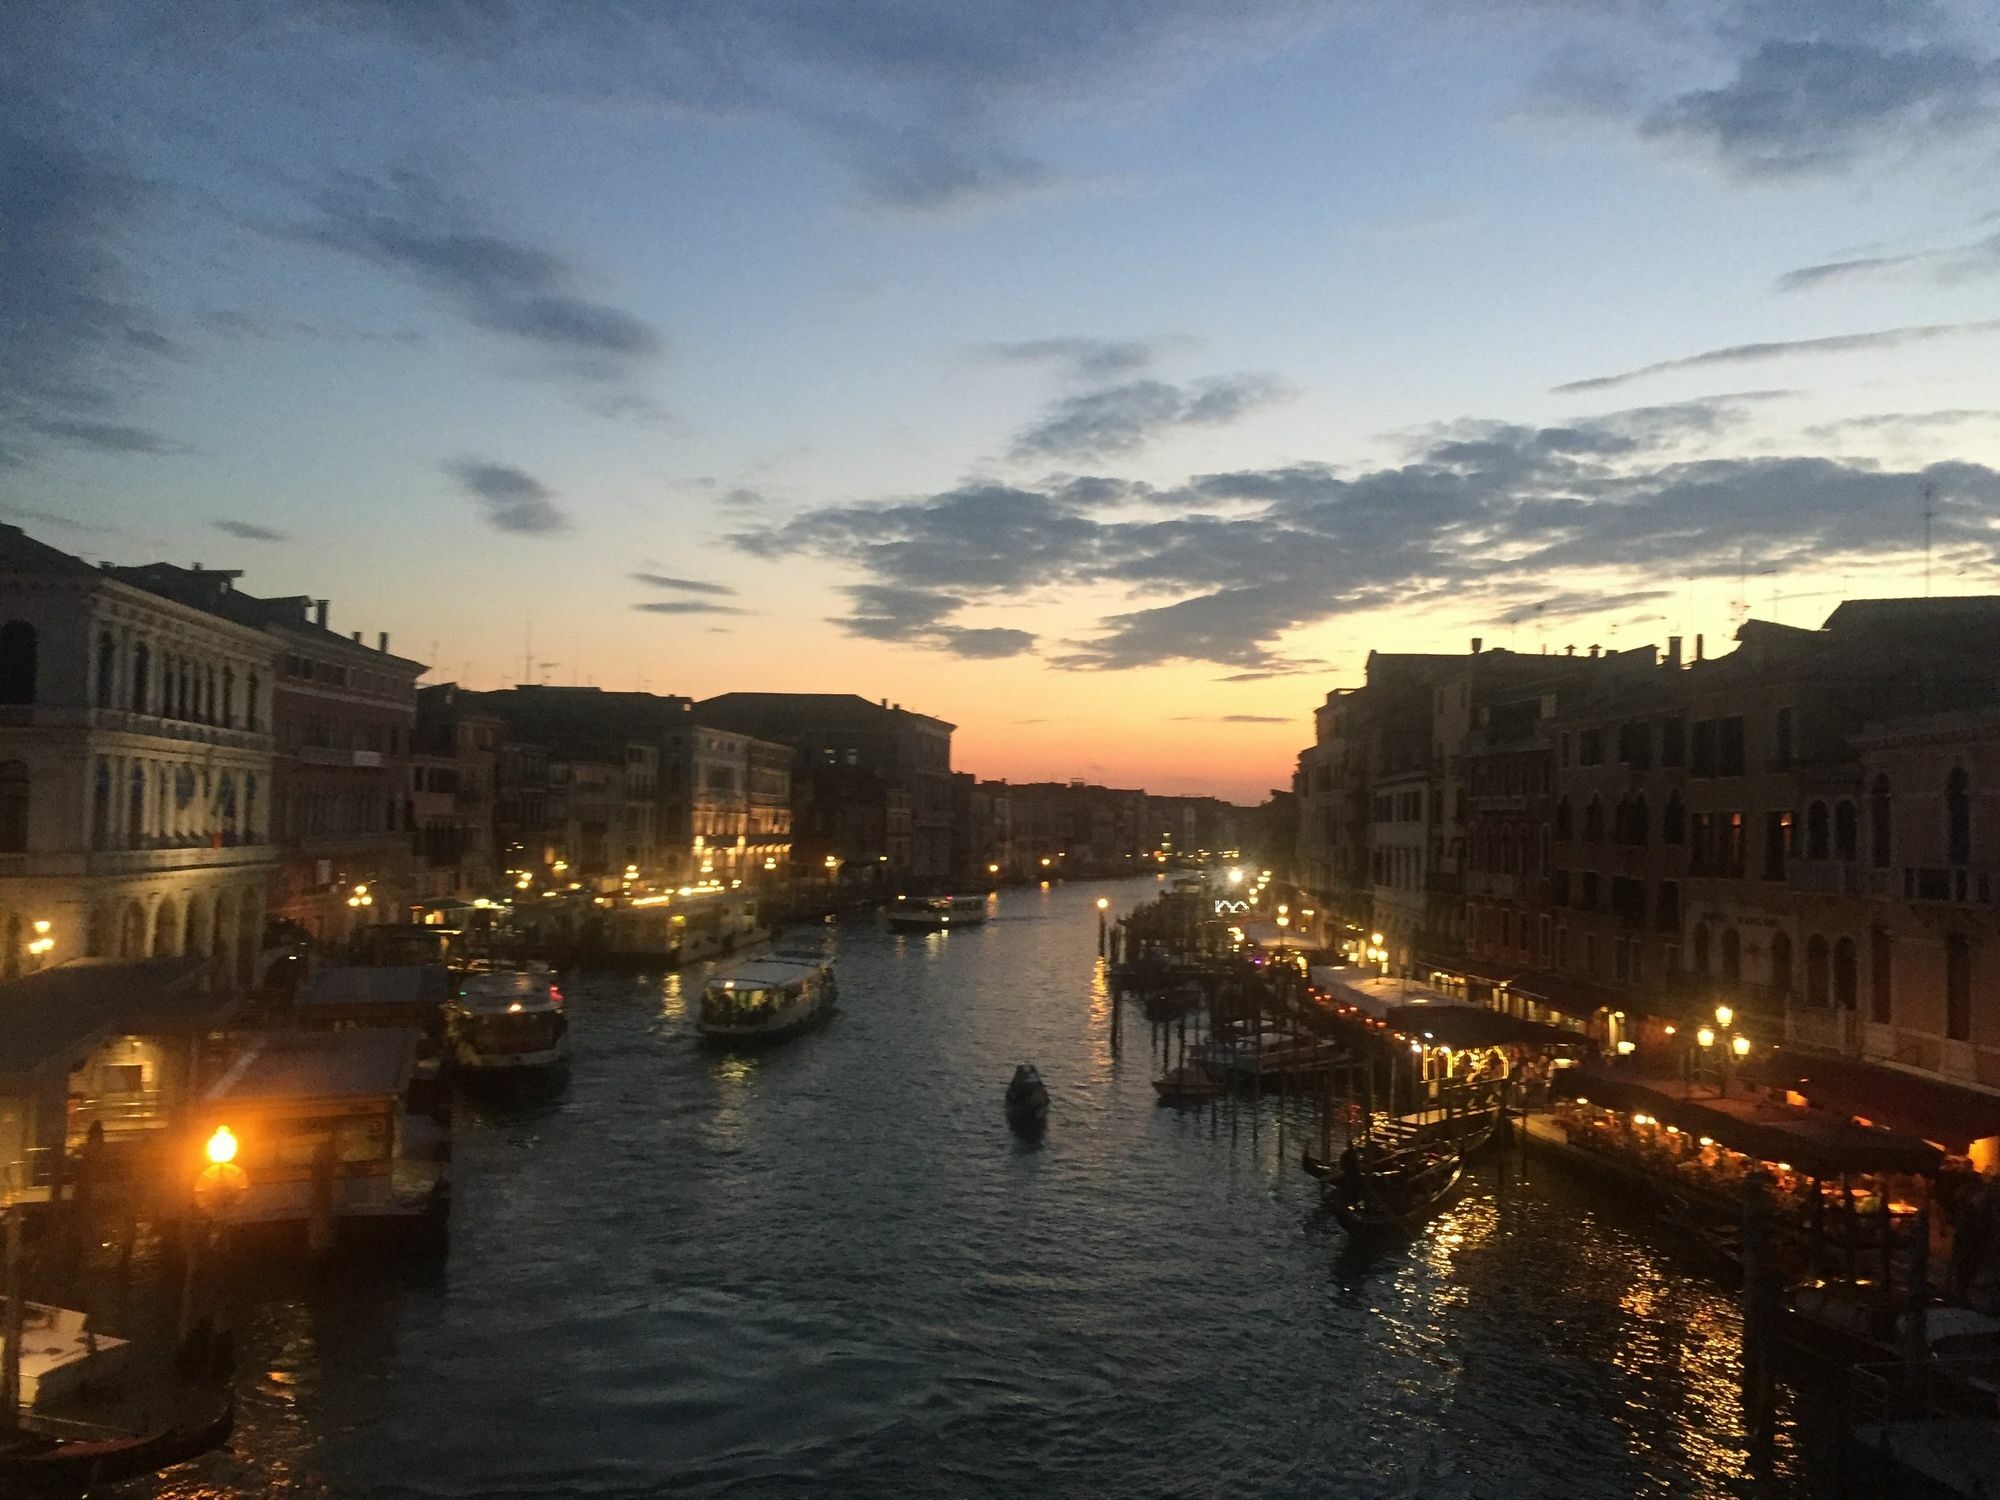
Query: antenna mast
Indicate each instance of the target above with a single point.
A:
(1930, 513)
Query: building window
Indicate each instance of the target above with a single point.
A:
(1734, 854)
(1667, 907)
(1846, 830)
(1957, 817)
(1881, 824)
(17, 662)
(228, 698)
(1729, 746)
(1777, 834)
(100, 807)
(107, 670)
(1881, 976)
(1732, 955)
(1781, 737)
(1590, 747)
(14, 790)
(1593, 821)
(1845, 977)
(1958, 987)
(1817, 988)
(1673, 742)
(135, 809)
(250, 691)
(1817, 831)
(1781, 965)
(142, 659)
(1564, 821)
(1673, 822)
(1701, 948)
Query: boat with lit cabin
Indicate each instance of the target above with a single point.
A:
(936, 913)
(508, 1025)
(767, 997)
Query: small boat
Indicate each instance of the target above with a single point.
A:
(936, 913)
(1027, 1099)
(1377, 1192)
(60, 1356)
(36, 1464)
(766, 998)
(1188, 1081)
(508, 1025)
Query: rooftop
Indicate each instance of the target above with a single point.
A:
(289, 1066)
(49, 1016)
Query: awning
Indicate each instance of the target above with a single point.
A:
(1476, 1026)
(1818, 1146)
(1951, 1114)
(1377, 994)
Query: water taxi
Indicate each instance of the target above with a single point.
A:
(937, 913)
(767, 997)
(508, 1025)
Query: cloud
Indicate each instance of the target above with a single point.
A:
(1742, 354)
(922, 617)
(1478, 511)
(249, 531)
(1120, 419)
(1950, 264)
(1804, 105)
(1232, 719)
(415, 227)
(1805, 278)
(687, 607)
(512, 499)
(1898, 425)
(74, 334)
(680, 585)
(1079, 358)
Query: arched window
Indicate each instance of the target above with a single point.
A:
(100, 807)
(107, 676)
(250, 703)
(1673, 822)
(1846, 830)
(142, 658)
(225, 808)
(1701, 947)
(1881, 976)
(1817, 831)
(1564, 823)
(135, 809)
(1881, 824)
(1817, 992)
(17, 662)
(250, 807)
(1781, 964)
(228, 698)
(13, 807)
(1846, 979)
(1593, 821)
(1958, 818)
(1732, 954)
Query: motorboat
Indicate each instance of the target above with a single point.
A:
(1187, 1082)
(61, 1356)
(508, 1024)
(936, 913)
(1027, 1099)
(767, 997)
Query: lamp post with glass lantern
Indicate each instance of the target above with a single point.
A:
(1103, 906)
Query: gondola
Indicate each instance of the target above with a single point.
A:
(1027, 1100)
(35, 1466)
(1187, 1082)
(1391, 1193)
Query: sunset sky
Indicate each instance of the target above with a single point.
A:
(1105, 376)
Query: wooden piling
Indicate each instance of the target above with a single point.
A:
(10, 1357)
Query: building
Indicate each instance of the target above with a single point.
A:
(871, 782)
(454, 778)
(136, 769)
(342, 716)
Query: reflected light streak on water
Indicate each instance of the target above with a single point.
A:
(828, 1269)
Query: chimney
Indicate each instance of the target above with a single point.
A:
(382, 642)
(885, 702)
(1569, 651)
(1697, 648)
(1593, 653)
(354, 636)
(319, 613)
(1673, 651)
(1477, 642)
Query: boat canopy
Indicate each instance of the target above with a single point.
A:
(778, 973)
(502, 991)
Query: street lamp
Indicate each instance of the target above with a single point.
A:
(41, 945)
(1724, 1015)
(1705, 1037)
(1740, 1046)
(1103, 906)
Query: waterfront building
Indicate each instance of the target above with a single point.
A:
(135, 769)
(454, 770)
(871, 782)
(342, 714)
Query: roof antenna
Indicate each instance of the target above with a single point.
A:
(1930, 512)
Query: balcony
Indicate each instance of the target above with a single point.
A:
(193, 857)
(326, 755)
(1957, 885)
(1828, 877)
(119, 721)
(1837, 1031)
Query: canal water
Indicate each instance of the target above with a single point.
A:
(829, 1270)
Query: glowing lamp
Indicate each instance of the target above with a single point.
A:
(1741, 1046)
(1626, 1049)
(1103, 904)
(992, 869)
(1705, 1036)
(221, 1148)
(1724, 1015)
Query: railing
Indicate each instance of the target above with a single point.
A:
(41, 716)
(324, 755)
(1960, 885)
(1824, 1030)
(199, 856)
(1917, 1391)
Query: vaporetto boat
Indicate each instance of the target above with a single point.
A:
(937, 913)
(508, 1024)
(767, 997)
